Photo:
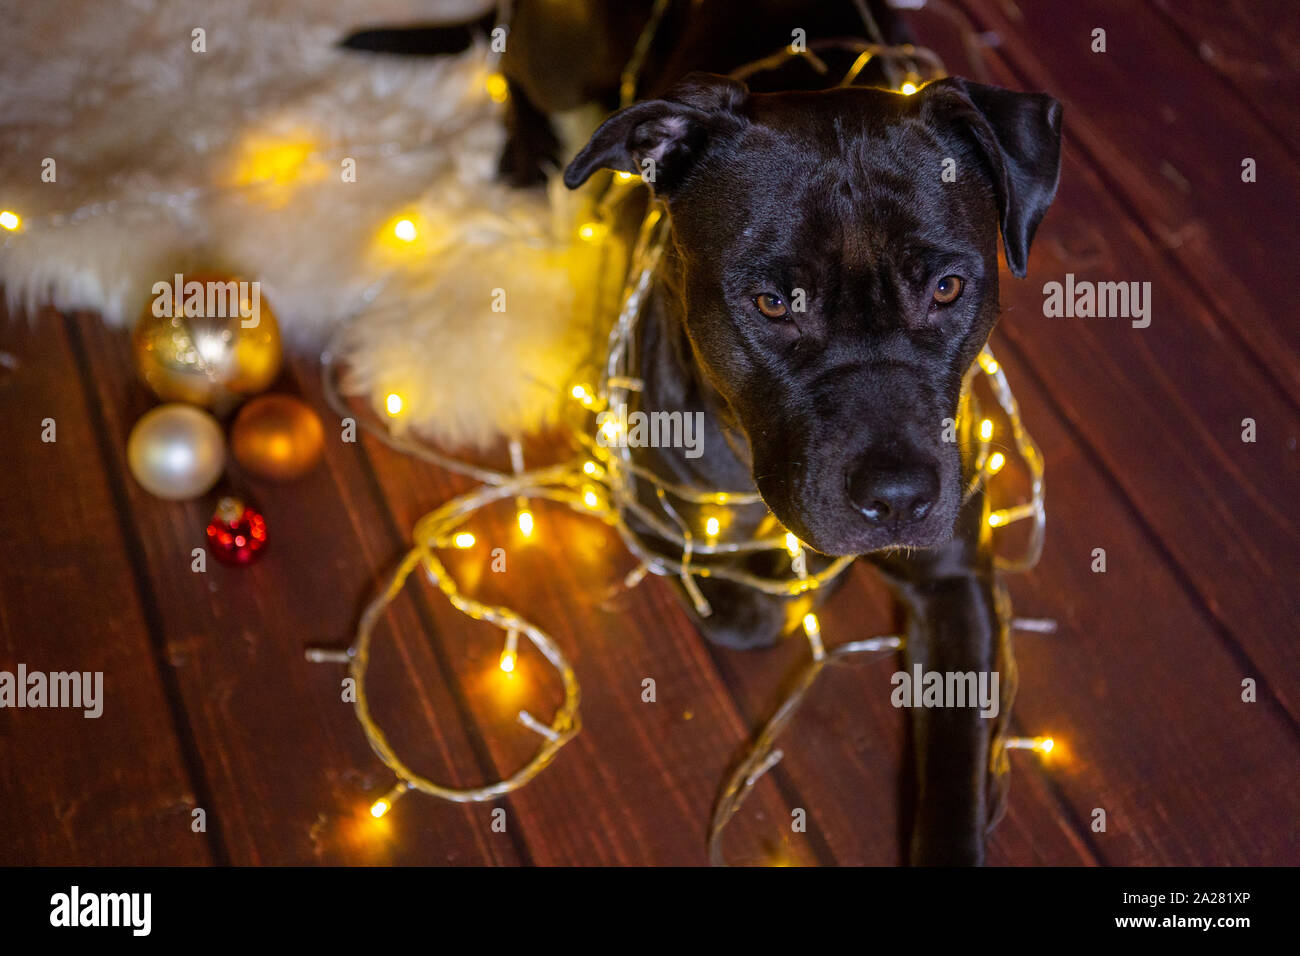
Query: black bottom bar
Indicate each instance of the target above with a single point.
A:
(445, 907)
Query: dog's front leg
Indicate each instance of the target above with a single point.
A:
(954, 628)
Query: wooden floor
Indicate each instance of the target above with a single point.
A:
(210, 703)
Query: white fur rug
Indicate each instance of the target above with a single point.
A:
(171, 160)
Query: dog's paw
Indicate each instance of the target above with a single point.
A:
(742, 618)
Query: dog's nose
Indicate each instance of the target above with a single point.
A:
(897, 494)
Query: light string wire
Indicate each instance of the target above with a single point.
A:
(603, 483)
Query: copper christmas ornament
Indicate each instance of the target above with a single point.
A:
(277, 437)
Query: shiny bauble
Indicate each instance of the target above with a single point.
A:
(277, 437)
(176, 451)
(214, 345)
(236, 533)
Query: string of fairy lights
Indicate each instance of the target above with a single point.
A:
(603, 482)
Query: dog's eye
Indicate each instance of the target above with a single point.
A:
(770, 304)
(948, 289)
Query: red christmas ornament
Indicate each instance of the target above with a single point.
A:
(236, 532)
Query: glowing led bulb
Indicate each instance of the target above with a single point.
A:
(589, 467)
(405, 230)
(1042, 745)
(592, 231)
(996, 461)
(526, 523)
(989, 364)
(792, 544)
(623, 177)
(813, 629)
(908, 89)
(589, 499)
(463, 540)
(583, 394)
(393, 404)
(1007, 515)
(711, 527)
(497, 87)
(10, 220)
(510, 655)
(986, 429)
(385, 803)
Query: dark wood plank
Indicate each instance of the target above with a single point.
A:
(415, 693)
(114, 789)
(1177, 391)
(1138, 686)
(1166, 138)
(291, 775)
(1254, 45)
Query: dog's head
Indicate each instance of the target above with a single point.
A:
(839, 266)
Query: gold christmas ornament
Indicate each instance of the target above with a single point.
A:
(278, 437)
(176, 451)
(206, 339)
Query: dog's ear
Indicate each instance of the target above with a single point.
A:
(1020, 137)
(660, 140)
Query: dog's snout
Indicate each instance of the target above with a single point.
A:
(893, 494)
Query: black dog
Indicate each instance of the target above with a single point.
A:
(824, 290)
(835, 411)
